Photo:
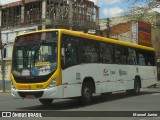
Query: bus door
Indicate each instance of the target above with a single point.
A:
(121, 67)
(110, 78)
(109, 73)
(71, 71)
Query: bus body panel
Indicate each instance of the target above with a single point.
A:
(148, 76)
(105, 76)
(108, 82)
(102, 74)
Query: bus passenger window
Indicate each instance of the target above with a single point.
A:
(68, 54)
(141, 60)
(69, 51)
(131, 59)
(106, 53)
(90, 51)
(117, 56)
(120, 55)
(150, 58)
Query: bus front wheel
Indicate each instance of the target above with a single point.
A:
(87, 93)
(46, 101)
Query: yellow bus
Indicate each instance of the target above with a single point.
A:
(59, 63)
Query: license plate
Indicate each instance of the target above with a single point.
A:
(30, 97)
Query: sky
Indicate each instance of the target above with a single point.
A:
(108, 8)
(114, 8)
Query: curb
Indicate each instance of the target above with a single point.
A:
(6, 91)
(158, 82)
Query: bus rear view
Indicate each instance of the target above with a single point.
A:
(35, 72)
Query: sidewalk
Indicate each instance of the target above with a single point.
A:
(6, 91)
(158, 83)
(4, 96)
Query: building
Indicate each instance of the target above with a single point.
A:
(29, 15)
(70, 14)
(138, 29)
(135, 29)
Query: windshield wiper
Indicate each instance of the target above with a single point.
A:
(36, 46)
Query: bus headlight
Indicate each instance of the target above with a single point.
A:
(52, 83)
(13, 86)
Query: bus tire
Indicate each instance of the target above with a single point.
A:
(136, 89)
(87, 93)
(137, 86)
(46, 101)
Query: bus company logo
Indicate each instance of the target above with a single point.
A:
(106, 72)
(121, 72)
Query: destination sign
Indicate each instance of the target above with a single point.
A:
(36, 36)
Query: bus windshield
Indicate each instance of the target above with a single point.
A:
(35, 54)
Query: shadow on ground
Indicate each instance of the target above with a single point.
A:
(68, 104)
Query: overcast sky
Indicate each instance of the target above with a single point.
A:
(108, 8)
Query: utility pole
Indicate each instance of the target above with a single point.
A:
(108, 27)
(1, 48)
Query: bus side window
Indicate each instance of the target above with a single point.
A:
(106, 53)
(90, 51)
(120, 55)
(141, 57)
(117, 55)
(150, 58)
(131, 59)
(69, 51)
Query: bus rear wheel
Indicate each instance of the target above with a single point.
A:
(136, 87)
(87, 93)
(46, 101)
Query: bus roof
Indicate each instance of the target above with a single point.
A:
(94, 37)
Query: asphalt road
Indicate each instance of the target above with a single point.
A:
(148, 100)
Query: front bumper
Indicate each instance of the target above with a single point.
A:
(55, 92)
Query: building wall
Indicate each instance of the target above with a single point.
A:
(121, 31)
(126, 29)
(7, 70)
(6, 75)
(156, 41)
(76, 15)
(8, 39)
(123, 36)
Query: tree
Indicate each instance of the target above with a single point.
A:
(144, 12)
